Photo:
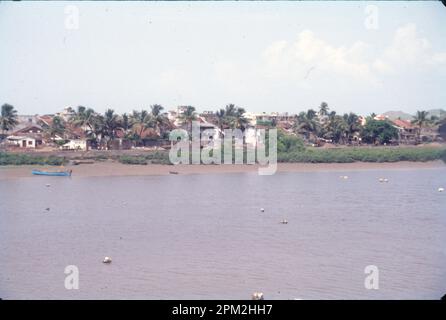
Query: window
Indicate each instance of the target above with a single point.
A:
(30, 142)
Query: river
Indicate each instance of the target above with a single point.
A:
(204, 236)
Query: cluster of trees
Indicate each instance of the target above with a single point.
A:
(103, 128)
(328, 125)
(312, 125)
(97, 127)
(229, 117)
(325, 124)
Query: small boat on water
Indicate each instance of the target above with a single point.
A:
(173, 172)
(52, 173)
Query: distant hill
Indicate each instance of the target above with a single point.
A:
(393, 115)
(437, 112)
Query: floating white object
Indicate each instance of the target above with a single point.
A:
(284, 221)
(386, 180)
(440, 189)
(257, 296)
(107, 260)
(261, 209)
(345, 177)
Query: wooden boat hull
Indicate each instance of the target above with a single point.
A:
(52, 173)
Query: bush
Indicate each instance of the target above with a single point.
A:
(345, 155)
(380, 131)
(158, 157)
(27, 159)
(132, 160)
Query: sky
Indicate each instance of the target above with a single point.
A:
(276, 56)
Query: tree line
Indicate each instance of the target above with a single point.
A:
(311, 125)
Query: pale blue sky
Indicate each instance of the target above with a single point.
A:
(263, 56)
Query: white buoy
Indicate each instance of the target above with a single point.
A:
(440, 189)
(386, 180)
(345, 177)
(284, 221)
(381, 179)
(107, 260)
(257, 296)
(261, 209)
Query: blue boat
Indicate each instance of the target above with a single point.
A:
(52, 173)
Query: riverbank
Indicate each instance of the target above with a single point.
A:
(421, 153)
(110, 168)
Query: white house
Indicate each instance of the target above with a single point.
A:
(22, 141)
(75, 145)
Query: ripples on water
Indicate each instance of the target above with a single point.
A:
(204, 237)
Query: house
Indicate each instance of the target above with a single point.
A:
(209, 133)
(66, 114)
(430, 134)
(75, 144)
(27, 137)
(22, 142)
(260, 119)
(25, 121)
(407, 132)
(30, 129)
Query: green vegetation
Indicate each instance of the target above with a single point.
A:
(378, 131)
(8, 118)
(374, 154)
(23, 159)
(287, 143)
(158, 157)
(290, 149)
(132, 160)
(152, 126)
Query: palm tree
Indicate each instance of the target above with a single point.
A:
(230, 110)
(351, 124)
(306, 124)
(84, 118)
(56, 128)
(159, 119)
(188, 116)
(8, 118)
(238, 120)
(421, 120)
(311, 114)
(323, 109)
(97, 128)
(336, 129)
(111, 123)
(141, 120)
(232, 116)
(221, 119)
(126, 123)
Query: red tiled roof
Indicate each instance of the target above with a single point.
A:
(403, 124)
(146, 133)
(48, 120)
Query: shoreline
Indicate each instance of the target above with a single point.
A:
(116, 169)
